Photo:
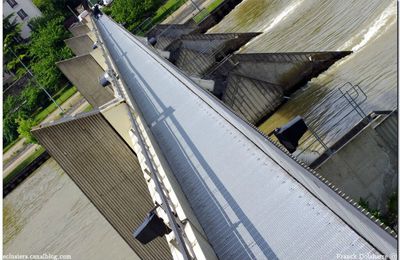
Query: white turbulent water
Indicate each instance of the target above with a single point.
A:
(368, 28)
(47, 213)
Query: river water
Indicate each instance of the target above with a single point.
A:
(49, 214)
(368, 28)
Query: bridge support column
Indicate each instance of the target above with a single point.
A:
(84, 72)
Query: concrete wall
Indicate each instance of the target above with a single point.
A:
(366, 167)
(253, 85)
(285, 69)
(98, 55)
(79, 29)
(84, 72)
(251, 98)
(80, 45)
(29, 8)
(196, 54)
(105, 168)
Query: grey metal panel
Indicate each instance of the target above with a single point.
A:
(84, 72)
(107, 171)
(80, 44)
(251, 199)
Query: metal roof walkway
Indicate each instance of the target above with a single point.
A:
(252, 200)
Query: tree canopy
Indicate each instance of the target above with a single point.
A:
(45, 48)
(133, 12)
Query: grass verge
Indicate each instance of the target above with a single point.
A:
(205, 12)
(39, 117)
(160, 15)
(23, 164)
(87, 109)
(5, 149)
(52, 107)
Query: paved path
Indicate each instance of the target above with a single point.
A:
(20, 151)
(186, 11)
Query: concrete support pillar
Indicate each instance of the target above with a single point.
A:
(84, 72)
(80, 45)
(79, 29)
(106, 169)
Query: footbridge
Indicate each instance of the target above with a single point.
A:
(162, 143)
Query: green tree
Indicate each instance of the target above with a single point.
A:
(133, 12)
(13, 46)
(52, 9)
(47, 48)
(9, 119)
(24, 129)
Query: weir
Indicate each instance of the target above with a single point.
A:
(236, 195)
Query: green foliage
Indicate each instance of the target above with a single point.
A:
(9, 119)
(56, 8)
(46, 48)
(39, 55)
(390, 217)
(32, 96)
(132, 12)
(24, 164)
(52, 107)
(374, 212)
(13, 47)
(24, 129)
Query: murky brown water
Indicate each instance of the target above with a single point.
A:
(368, 28)
(47, 213)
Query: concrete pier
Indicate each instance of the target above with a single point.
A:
(365, 164)
(254, 85)
(80, 44)
(196, 54)
(84, 72)
(103, 165)
(79, 29)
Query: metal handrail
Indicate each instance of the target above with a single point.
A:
(349, 96)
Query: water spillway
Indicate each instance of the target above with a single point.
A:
(197, 135)
(368, 29)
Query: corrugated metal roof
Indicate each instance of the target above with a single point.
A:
(251, 199)
(107, 171)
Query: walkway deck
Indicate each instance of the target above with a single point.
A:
(252, 200)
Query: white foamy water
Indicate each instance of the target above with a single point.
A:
(281, 16)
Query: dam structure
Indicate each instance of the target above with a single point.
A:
(157, 141)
